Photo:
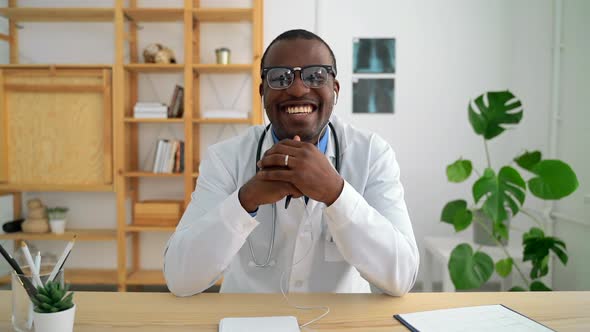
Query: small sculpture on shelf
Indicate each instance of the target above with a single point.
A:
(158, 53)
(36, 221)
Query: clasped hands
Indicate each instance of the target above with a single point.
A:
(305, 172)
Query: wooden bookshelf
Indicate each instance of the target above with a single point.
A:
(81, 235)
(151, 174)
(155, 67)
(222, 120)
(127, 18)
(223, 15)
(143, 120)
(83, 277)
(154, 14)
(139, 228)
(58, 14)
(203, 68)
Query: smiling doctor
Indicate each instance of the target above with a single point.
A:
(308, 201)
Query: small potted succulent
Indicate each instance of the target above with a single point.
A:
(54, 309)
(57, 219)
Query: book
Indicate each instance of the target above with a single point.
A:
(176, 107)
(478, 318)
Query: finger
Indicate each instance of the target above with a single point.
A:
(283, 149)
(293, 191)
(277, 160)
(277, 175)
(297, 138)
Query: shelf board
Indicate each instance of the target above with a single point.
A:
(155, 67)
(81, 235)
(222, 15)
(151, 174)
(140, 228)
(59, 14)
(154, 14)
(83, 277)
(143, 120)
(57, 66)
(56, 187)
(213, 68)
(222, 120)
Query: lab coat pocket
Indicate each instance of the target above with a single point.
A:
(331, 252)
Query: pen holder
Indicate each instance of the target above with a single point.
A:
(22, 307)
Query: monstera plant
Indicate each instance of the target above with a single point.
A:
(499, 195)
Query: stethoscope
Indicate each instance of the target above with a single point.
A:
(274, 205)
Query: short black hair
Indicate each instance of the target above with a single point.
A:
(298, 34)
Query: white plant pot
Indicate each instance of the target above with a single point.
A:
(62, 321)
(58, 226)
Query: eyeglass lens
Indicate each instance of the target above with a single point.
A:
(282, 78)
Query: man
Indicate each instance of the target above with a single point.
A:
(271, 211)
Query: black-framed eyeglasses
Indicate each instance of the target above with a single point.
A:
(313, 76)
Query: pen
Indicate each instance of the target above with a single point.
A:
(29, 259)
(287, 201)
(61, 261)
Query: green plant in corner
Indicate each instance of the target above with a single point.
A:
(499, 194)
(51, 297)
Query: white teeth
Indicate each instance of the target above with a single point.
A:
(299, 109)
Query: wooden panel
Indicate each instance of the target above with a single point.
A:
(58, 14)
(42, 127)
(54, 67)
(108, 127)
(222, 15)
(154, 14)
(4, 133)
(81, 235)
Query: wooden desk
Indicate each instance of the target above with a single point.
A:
(151, 312)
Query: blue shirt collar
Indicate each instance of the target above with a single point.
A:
(322, 144)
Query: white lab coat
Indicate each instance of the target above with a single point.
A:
(363, 239)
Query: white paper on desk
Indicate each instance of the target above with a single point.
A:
(259, 324)
(486, 318)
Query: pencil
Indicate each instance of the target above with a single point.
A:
(61, 261)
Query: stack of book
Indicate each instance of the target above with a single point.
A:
(144, 110)
(169, 157)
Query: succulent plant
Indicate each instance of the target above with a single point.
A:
(57, 212)
(52, 298)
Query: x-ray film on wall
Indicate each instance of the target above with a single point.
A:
(373, 56)
(373, 95)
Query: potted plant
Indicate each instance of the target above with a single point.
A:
(498, 195)
(57, 219)
(54, 309)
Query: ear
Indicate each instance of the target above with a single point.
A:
(261, 90)
(337, 86)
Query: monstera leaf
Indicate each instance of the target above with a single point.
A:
(555, 179)
(528, 160)
(502, 108)
(459, 170)
(508, 188)
(537, 247)
(457, 214)
(469, 270)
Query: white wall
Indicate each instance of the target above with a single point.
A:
(447, 53)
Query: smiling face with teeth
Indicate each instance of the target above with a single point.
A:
(299, 110)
